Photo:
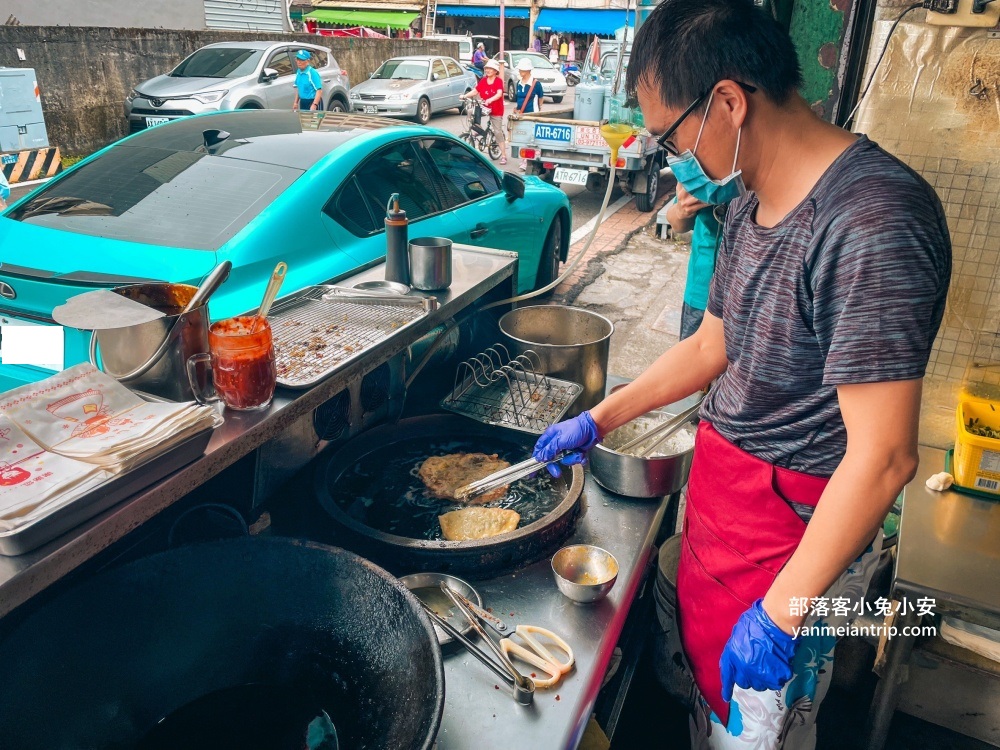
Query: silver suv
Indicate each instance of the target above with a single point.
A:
(233, 75)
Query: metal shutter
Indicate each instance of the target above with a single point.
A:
(245, 15)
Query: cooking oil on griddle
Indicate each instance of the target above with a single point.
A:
(248, 717)
(384, 492)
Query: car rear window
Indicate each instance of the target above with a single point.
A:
(157, 196)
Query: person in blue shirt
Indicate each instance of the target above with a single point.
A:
(308, 84)
(528, 93)
(688, 214)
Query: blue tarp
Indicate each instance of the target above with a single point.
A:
(481, 11)
(573, 21)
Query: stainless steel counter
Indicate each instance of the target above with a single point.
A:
(949, 547)
(948, 550)
(475, 272)
(477, 714)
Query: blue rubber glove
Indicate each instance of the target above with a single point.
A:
(758, 655)
(578, 434)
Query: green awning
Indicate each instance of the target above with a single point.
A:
(375, 19)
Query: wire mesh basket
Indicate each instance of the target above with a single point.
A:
(511, 392)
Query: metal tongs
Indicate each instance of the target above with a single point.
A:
(501, 478)
(523, 687)
(661, 432)
(539, 656)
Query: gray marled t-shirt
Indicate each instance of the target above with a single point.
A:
(850, 287)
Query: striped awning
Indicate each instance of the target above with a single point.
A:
(376, 19)
(482, 11)
(573, 21)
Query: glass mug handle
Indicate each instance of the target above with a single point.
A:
(192, 373)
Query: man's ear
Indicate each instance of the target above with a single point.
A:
(733, 100)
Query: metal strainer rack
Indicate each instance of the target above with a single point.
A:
(511, 392)
(321, 328)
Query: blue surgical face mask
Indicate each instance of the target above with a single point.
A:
(689, 172)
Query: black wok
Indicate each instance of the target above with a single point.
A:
(99, 666)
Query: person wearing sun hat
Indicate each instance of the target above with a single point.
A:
(490, 89)
(528, 94)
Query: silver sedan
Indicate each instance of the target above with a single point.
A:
(413, 86)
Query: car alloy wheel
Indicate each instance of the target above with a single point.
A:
(423, 111)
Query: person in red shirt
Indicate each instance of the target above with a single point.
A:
(490, 88)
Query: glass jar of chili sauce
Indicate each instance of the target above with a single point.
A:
(243, 362)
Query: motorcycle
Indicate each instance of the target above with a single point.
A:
(479, 133)
(474, 70)
(571, 72)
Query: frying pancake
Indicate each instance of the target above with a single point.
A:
(443, 475)
(477, 523)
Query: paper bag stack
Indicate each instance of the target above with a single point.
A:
(63, 436)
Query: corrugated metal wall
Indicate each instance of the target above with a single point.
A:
(246, 15)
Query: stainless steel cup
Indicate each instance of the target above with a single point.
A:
(430, 263)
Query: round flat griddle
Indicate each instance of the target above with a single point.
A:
(372, 491)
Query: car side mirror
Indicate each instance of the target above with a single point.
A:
(435, 76)
(268, 75)
(513, 186)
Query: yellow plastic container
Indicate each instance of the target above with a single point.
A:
(977, 458)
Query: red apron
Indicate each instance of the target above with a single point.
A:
(738, 534)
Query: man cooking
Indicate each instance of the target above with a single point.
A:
(829, 288)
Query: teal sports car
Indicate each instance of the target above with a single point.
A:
(258, 187)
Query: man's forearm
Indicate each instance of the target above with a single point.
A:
(685, 368)
(882, 425)
(850, 512)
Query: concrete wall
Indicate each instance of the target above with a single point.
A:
(175, 14)
(85, 73)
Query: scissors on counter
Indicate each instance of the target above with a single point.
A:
(530, 650)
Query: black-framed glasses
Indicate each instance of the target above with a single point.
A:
(664, 140)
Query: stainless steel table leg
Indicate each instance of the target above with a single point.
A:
(892, 675)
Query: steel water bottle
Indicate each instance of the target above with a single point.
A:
(397, 259)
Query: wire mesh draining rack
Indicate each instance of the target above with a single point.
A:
(321, 328)
(511, 392)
